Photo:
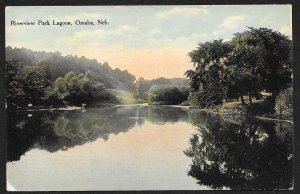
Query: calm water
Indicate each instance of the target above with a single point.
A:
(146, 148)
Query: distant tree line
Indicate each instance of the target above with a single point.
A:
(253, 61)
(162, 90)
(167, 95)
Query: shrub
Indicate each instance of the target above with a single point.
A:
(77, 89)
(284, 103)
(167, 95)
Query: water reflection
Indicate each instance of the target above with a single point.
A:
(53, 130)
(241, 155)
(226, 151)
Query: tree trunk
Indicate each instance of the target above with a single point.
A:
(243, 101)
(250, 99)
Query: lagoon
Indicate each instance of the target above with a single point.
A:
(141, 147)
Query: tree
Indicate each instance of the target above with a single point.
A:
(60, 65)
(77, 89)
(266, 54)
(252, 61)
(15, 94)
(207, 79)
(25, 85)
(167, 95)
(142, 87)
(284, 103)
(243, 156)
(37, 80)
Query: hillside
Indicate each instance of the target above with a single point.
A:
(164, 82)
(60, 65)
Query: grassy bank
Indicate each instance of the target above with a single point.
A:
(258, 108)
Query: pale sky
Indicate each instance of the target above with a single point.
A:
(148, 41)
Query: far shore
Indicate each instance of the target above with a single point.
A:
(71, 108)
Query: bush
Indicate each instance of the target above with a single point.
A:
(167, 95)
(205, 99)
(195, 99)
(77, 89)
(284, 103)
(185, 103)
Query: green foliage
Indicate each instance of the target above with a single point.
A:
(207, 80)
(185, 103)
(77, 89)
(266, 55)
(60, 65)
(143, 86)
(25, 85)
(195, 99)
(284, 103)
(252, 61)
(15, 95)
(167, 95)
(205, 99)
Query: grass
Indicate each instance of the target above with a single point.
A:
(258, 108)
(231, 104)
(237, 105)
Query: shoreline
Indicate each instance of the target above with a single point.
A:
(71, 108)
(250, 116)
(274, 119)
(45, 109)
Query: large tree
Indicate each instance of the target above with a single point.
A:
(252, 61)
(207, 77)
(265, 57)
(26, 85)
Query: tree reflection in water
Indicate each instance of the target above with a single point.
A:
(249, 155)
(227, 151)
(53, 130)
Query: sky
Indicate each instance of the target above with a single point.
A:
(148, 41)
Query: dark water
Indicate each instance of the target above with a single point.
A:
(146, 148)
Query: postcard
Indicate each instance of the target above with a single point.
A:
(161, 97)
